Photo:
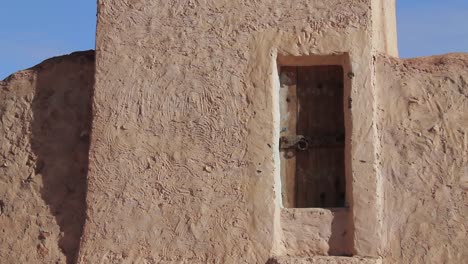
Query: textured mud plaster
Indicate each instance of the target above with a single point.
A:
(423, 124)
(324, 260)
(182, 157)
(384, 27)
(44, 127)
(185, 138)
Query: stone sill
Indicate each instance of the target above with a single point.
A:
(316, 232)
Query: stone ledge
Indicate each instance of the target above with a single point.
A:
(324, 260)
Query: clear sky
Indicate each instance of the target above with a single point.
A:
(32, 30)
(428, 27)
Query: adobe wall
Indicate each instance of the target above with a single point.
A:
(183, 156)
(45, 119)
(423, 127)
(422, 133)
(384, 28)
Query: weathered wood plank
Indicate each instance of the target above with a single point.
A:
(320, 178)
(288, 124)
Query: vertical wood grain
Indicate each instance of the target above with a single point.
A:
(288, 115)
(320, 175)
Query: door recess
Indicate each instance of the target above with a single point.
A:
(312, 136)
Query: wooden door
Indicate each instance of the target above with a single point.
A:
(312, 111)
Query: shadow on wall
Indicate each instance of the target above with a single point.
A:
(60, 140)
(341, 239)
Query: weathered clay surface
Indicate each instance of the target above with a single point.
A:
(311, 232)
(423, 125)
(182, 160)
(185, 136)
(324, 260)
(44, 138)
(384, 35)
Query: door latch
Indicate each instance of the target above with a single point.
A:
(304, 143)
(298, 142)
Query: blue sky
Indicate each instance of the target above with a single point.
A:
(428, 27)
(32, 31)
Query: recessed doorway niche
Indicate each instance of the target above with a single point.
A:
(312, 132)
(314, 151)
